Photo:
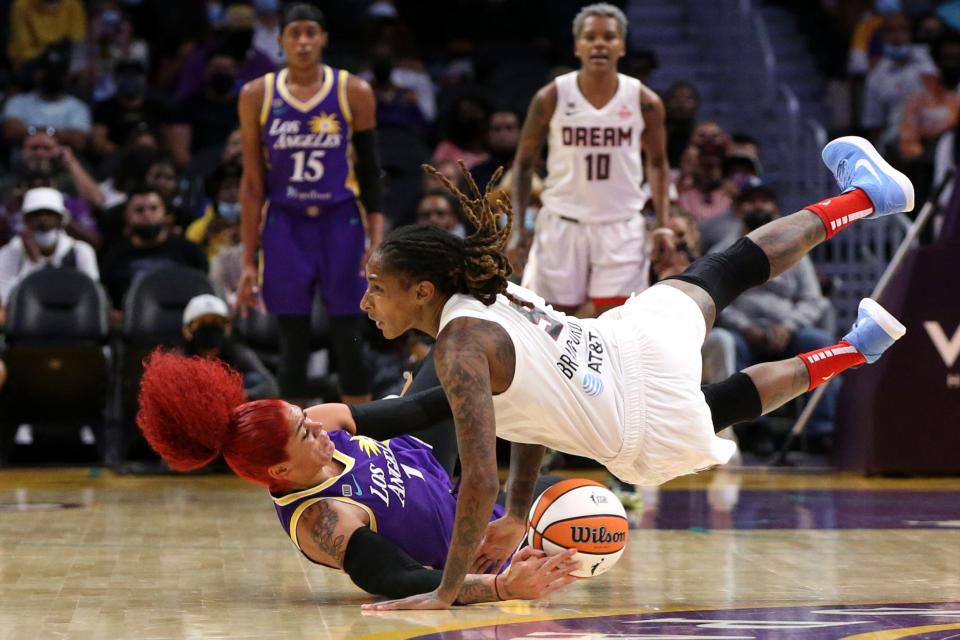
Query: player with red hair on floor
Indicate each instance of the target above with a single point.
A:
(346, 500)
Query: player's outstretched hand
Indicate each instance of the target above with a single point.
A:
(499, 542)
(534, 575)
(421, 601)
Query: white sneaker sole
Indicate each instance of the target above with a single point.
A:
(891, 326)
(902, 181)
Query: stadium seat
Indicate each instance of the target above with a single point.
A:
(152, 317)
(57, 356)
(259, 331)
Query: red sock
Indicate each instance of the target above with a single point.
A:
(841, 211)
(826, 362)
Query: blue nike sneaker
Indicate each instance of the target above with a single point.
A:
(874, 331)
(856, 164)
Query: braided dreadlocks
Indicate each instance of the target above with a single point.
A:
(475, 265)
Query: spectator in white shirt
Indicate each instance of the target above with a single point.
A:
(49, 106)
(896, 77)
(41, 243)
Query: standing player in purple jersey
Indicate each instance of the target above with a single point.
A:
(382, 511)
(310, 200)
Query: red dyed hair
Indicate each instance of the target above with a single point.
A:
(192, 410)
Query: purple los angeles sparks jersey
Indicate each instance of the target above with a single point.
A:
(309, 163)
(400, 485)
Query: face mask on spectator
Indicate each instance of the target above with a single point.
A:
(46, 239)
(130, 85)
(266, 6)
(215, 14)
(950, 77)
(237, 43)
(897, 52)
(51, 82)
(756, 218)
(221, 83)
(147, 232)
(381, 71)
(209, 337)
(229, 211)
(110, 21)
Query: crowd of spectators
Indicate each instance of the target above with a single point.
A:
(120, 149)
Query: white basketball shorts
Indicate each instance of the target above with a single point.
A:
(668, 429)
(572, 261)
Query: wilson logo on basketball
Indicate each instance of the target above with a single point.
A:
(596, 536)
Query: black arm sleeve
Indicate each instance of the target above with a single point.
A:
(378, 566)
(382, 419)
(367, 167)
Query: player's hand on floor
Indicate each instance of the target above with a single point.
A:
(421, 601)
(534, 575)
(499, 542)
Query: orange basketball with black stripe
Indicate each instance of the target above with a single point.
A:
(583, 515)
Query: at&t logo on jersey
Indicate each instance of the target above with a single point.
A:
(592, 384)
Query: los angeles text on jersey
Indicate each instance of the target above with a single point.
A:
(324, 133)
(574, 354)
(596, 136)
(389, 481)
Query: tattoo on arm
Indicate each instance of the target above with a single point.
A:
(477, 588)
(464, 371)
(525, 462)
(323, 526)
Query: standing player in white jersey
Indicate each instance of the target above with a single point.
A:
(590, 239)
(624, 388)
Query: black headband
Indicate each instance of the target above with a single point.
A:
(301, 11)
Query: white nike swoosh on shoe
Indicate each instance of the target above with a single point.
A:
(868, 165)
(825, 202)
(828, 377)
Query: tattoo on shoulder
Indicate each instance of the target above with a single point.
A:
(646, 107)
(323, 525)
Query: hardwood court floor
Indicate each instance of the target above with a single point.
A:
(723, 555)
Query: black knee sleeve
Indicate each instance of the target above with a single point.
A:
(294, 353)
(733, 400)
(727, 274)
(349, 350)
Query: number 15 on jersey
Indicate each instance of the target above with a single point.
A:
(307, 168)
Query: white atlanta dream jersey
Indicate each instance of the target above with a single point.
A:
(567, 388)
(594, 169)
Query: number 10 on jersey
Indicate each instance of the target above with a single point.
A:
(307, 168)
(598, 166)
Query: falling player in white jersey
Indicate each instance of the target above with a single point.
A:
(590, 241)
(622, 389)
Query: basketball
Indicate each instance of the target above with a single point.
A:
(583, 515)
